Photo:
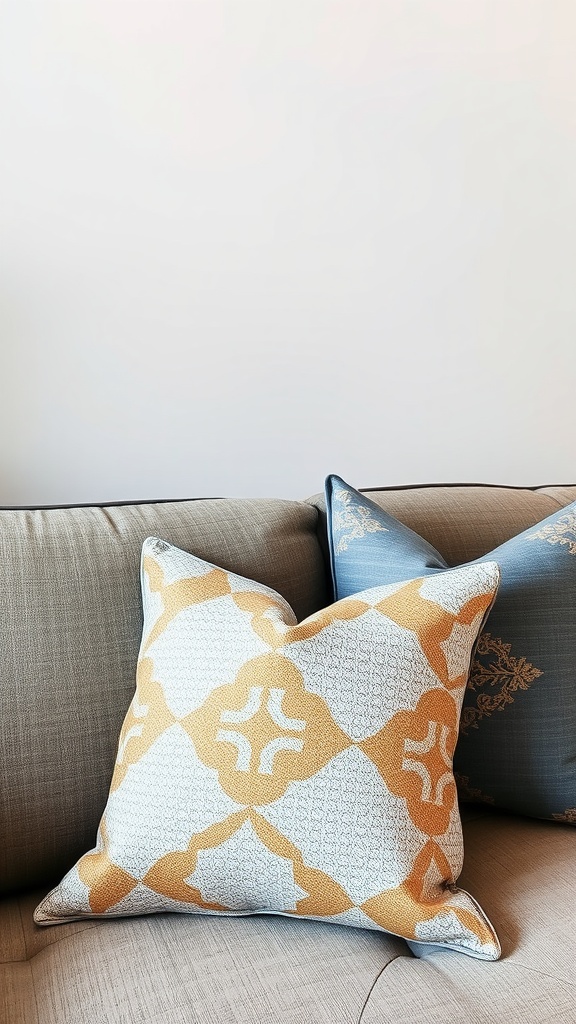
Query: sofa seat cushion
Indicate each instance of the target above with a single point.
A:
(523, 873)
(184, 969)
(171, 969)
(437, 991)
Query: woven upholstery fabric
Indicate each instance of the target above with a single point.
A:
(187, 969)
(517, 747)
(199, 969)
(523, 873)
(71, 626)
(270, 766)
(437, 991)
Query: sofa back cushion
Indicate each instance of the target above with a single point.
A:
(71, 623)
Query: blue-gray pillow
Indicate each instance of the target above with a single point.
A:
(517, 745)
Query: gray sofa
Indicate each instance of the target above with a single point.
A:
(71, 625)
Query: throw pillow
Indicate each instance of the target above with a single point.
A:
(517, 746)
(266, 766)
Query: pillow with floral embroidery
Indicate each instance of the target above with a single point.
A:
(517, 746)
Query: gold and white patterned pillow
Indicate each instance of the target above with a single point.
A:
(301, 769)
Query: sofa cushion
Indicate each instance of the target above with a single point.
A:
(192, 969)
(517, 744)
(187, 969)
(523, 872)
(294, 769)
(71, 623)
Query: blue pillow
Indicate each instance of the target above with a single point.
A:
(517, 745)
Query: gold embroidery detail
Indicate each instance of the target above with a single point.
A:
(471, 792)
(563, 531)
(569, 816)
(510, 673)
(432, 624)
(413, 753)
(181, 594)
(264, 730)
(268, 623)
(356, 522)
(107, 883)
(146, 719)
(425, 893)
(324, 897)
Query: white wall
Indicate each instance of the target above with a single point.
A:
(247, 243)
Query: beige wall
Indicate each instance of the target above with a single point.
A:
(248, 243)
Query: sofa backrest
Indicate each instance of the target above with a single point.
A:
(70, 621)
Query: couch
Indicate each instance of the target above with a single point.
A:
(71, 624)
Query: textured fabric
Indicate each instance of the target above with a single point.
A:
(266, 766)
(462, 522)
(517, 746)
(434, 991)
(183, 969)
(192, 969)
(71, 625)
(523, 873)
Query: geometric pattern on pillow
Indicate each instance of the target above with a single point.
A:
(301, 769)
(517, 746)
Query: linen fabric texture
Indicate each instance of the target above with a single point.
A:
(517, 744)
(266, 766)
(71, 614)
(270, 968)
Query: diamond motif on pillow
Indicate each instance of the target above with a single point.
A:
(299, 769)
